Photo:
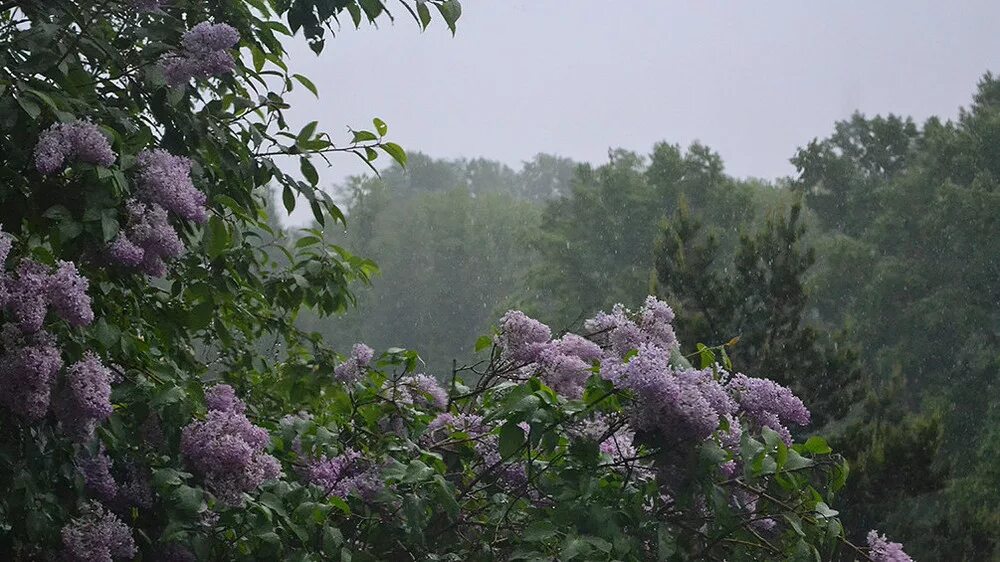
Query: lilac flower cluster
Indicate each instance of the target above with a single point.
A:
(521, 338)
(420, 390)
(227, 450)
(354, 368)
(64, 142)
(97, 536)
(28, 370)
(681, 405)
(86, 401)
(621, 334)
(35, 289)
(96, 471)
(567, 362)
(882, 550)
(148, 241)
(205, 54)
(345, 474)
(165, 180)
(768, 404)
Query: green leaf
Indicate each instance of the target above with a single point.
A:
(450, 10)
(539, 531)
(307, 83)
(288, 198)
(362, 136)
(201, 315)
(396, 151)
(29, 107)
(258, 58)
(424, 13)
(307, 132)
(309, 171)
(380, 126)
(483, 342)
(511, 439)
(216, 237)
(817, 446)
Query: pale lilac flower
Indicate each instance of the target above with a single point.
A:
(28, 295)
(86, 401)
(768, 404)
(205, 54)
(882, 550)
(67, 294)
(78, 140)
(222, 397)
(150, 232)
(28, 369)
(97, 536)
(96, 471)
(354, 368)
(566, 364)
(227, 450)
(419, 389)
(522, 338)
(343, 475)
(207, 37)
(125, 252)
(165, 180)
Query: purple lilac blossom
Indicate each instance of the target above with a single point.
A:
(621, 334)
(882, 550)
(78, 140)
(655, 319)
(67, 294)
(681, 405)
(354, 368)
(421, 390)
(97, 536)
(522, 338)
(768, 404)
(86, 400)
(207, 37)
(28, 298)
(148, 241)
(205, 53)
(165, 180)
(222, 397)
(27, 371)
(35, 289)
(343, 475)
(96, 471)
(227, 450)
(566, 364)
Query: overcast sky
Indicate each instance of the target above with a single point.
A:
(752, 79)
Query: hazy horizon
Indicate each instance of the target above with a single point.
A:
(754, 82)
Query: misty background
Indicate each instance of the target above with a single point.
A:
(753, 80)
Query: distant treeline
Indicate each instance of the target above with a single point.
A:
(870, 282)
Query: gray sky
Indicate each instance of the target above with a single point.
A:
(752, 79)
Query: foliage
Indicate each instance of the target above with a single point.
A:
(596, 239)
(757, 302)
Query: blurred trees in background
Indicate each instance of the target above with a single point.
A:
(870, 283)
